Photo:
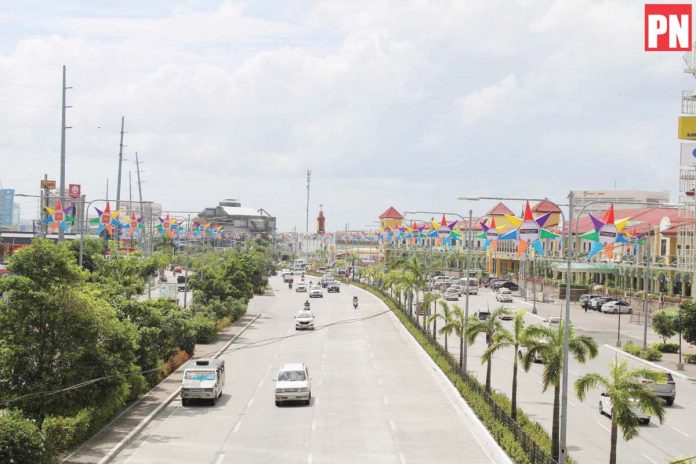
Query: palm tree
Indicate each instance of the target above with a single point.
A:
(510, 339)
(447, 318)
(489, 327)
(547, 343)
(459, 326)
(428, 299)
(628, 395)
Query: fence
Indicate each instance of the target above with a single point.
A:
(536, 454)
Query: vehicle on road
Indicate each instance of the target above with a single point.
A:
(469, 285)
(507, 316)
(595, 304)
(355, 302)
(304, 320)
(585, 299)
(301, 287)
(665, 388)
(181, 282)
(287, 278)
(523, 352)
(316, 292)
(457, 288)
(293, 384)
(504, 295)
(605, 408)
(451, 294)
(482, 314)
(333, 287)
(506, 284)
(490, 281)
(326, 279)
(616, 307)
(177, 270)
(205, 379)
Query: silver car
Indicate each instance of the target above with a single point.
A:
(664, 388)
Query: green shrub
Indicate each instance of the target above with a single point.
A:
(690, 358)
(203, 328)
(21, 440)
(632, 348)
(667, 347)
(61, 433)
(651, 354)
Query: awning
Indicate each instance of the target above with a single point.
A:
(606, 268)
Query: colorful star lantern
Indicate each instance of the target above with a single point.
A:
(490, 234)
(106, 220)
(58, 217)
(528, 231)
(133, 224)
(606, 233)
(167, 226)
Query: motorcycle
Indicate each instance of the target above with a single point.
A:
(290, 285)
(355, 302)
(306, 304)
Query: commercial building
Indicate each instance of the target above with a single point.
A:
(237, 219)
(7, 209)
(604, 198)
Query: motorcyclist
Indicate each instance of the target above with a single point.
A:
(290, 285)
(355, 301)
(306, 304)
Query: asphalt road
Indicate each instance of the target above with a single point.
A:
(375, 398)
(588, 431)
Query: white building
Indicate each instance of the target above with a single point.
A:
(582, 198)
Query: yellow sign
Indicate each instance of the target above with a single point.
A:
(687, 128)
(48, 184)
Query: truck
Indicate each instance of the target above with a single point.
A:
(169, 291)
(204, 379)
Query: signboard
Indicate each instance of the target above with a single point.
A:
(48, 184)
(687, 128)
(688, 154)
(74, 190)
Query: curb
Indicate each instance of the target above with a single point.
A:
(651, 364)
(120, 445)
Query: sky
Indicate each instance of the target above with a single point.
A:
(389, 103)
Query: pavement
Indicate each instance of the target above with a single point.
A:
(588, 431)
(376, 396)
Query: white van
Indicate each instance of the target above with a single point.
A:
(203, 380)
(470, 285)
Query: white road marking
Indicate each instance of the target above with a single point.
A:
(219, 459)
(310, 458)
(402, 458)
(679, 431)
(372, 355)
(648, 458)
(572, 404)
(374, 363)
(261, 383)
(386, 402)
(379, 381)
(251, 401)
(323, 355)
(320, 381)
(604, 427)
(573, 372)
(236, 427)
(392, 425)
(314, 425)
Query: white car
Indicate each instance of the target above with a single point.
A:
(293, 384)
(605, 408)
(451, 294)
(301, 288)
(616, 307)
(504, 295)
(316, 292)
(304, 320)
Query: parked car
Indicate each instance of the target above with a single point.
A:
(482, 314)
(616, 307)
(595, 304)
(470, 285)
(451, 294)
(506, 284)
(664, 388)
(491, 281)
(523, 352)
(605, 408)
(333, 287)
(301, 287)
(507, 315)
(585, 299)
(304, 320)
(504, 295)
(293, 384)
(457, 288)
(316, 292)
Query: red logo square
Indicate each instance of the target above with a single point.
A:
(668, 28)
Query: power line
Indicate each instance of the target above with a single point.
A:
(257, 344)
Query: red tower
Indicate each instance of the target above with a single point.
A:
(321, 229)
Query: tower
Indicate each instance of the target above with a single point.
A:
(321, 227)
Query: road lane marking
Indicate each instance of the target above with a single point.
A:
(220, 458)
(323, 355)
(679, 431)
(573, 372)
(251, 401)
(379, 382)
(402, 458)
(392, 425)
(386, 402)
(572, 404)
(310, 458)
(374, 363)
(372, 355)
(314, 425)
(236, 427)
(261, 383)
(604, 427)
(648, 458)
(320, 381)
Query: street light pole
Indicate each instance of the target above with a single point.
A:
(470, 239)
(564, 392)
(646, 283)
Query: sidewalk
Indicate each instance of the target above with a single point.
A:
(117, 432)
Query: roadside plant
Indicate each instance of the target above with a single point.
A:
(447, 317)
(489, 327)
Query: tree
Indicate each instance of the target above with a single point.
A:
(547, 343)
(447, 317)
(510, 339)
(20, 439)
(688, 321)
(459, 325)
(664, 323)
(428, 299)
(488, 327)
(628, 395)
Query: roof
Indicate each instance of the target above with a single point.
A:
(546, 206)
(580, 267)
(499, 210)
(642, 220)
(292, 367)
(391, 213)
(240, 211)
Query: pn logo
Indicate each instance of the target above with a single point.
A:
(668, 27)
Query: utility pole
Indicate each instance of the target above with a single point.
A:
(140, 193)
(43, 226)
(309, 179)
(118, 182)
(469, 240)
(646, 288)
(62, 153)
(107, 189)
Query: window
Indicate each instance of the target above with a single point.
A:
(663, 247)
(292, 376)
(200, 375)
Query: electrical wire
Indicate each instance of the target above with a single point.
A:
(256, 344)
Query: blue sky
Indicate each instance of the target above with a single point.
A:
(403, 103)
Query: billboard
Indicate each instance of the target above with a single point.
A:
(688, 154)
(6, 207)
(687, 128)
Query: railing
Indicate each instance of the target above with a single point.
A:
(536, 454)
